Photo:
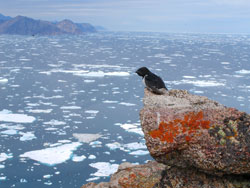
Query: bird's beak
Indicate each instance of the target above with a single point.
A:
(138, 72)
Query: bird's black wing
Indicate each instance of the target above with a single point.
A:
(154, 82)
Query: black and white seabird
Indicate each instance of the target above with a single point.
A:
(152, 82)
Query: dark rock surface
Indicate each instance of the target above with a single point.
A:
(197, 143)
(133, 176)
(187, 130)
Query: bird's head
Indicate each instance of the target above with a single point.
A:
(142, 71)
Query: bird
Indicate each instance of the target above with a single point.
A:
(152, 82)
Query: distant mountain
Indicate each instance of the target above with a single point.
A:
(4, 18)
(100, 28)
(22, 25)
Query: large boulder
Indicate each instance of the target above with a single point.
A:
(157, 175)
(133, 176)
(185, 130)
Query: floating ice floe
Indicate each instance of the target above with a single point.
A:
(133, 128)
(54, 122)
(135, 146)
(38, 111)
(127, 104)
(93, 179)
(243, 71)
(22, 180)
(8, 116)
(104, 169)
(3, 80)
(117, 74)
(9, 132)
(189, 77)
(47, 176)
(70, 107)
(109, 102)
(53, 156)
(27, 136)
(2, 178)
(114, 146)
(89, 81)
(202, 83)
(139, 152)
(95, 144)
(225, 63)
(77, 158)
(91, 111)
(5, 156)
(92, 157)
(85, 73)
(86, 138)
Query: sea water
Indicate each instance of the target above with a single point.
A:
(70, 105)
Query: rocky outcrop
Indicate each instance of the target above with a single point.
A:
(133, 176)
(187, 130)
(201, 143)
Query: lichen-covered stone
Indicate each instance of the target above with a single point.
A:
(156, 175)
(186, 130)
(133, 176)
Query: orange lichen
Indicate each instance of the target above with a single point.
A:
(190, 124)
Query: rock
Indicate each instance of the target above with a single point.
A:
(197, 143)
(191, 178)
(133, 176)
(186, 130)
(156, 175)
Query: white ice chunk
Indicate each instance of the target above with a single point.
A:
(104, 169)
(139, 152)
(89, 81)
(37, 111)
(113, 146)
(2, 178)
(27, 136)
(22, 180)
(77, 158)
(225, 63)
(136, 130)
(9, 132)
(109, 102)
(47, 176)
(71, 107)
(53, 156)
(92, 157)
(93, 179)
(128, 126)
(86, 138)
(135, 146)
(3, 80)
(91, 111)
(203, 83)
(127, 104)
(54, 122)
(8, 116)
(4, 156)
(117, 74)
(188, 76)
(243, 71)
